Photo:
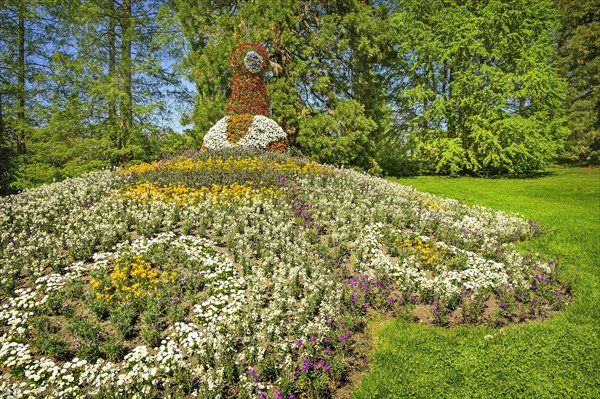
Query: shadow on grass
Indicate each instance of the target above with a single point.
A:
(530, 175)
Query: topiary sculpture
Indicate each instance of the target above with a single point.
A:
(247, 122)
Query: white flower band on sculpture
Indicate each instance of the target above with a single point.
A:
(262, 132)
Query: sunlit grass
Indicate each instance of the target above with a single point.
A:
(555, 358)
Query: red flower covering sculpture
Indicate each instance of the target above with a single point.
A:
(249, 62)
(247, 120)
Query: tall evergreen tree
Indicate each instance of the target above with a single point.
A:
(474, 83)
(21, 14)
(327, 90)
(23, 65)
(22, 62)
(118, 44)
(85, 84)
(579, 58)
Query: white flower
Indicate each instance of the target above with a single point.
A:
(264, 282)
(216, 137)
(253, 61)
(262, 132)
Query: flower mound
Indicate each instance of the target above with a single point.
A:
(240, 273)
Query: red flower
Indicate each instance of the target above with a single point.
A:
(248, 90)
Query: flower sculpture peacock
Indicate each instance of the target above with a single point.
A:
(247, 122)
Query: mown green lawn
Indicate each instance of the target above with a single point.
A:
(556, 358)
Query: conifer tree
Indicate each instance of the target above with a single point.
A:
(327, 90)
(579, 58)
(474, 84)
(84, 84)
(22, 63)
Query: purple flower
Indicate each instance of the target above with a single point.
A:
(252, 372)
(502, 305)
(292, 396)
(328, 351)
(278, 395)
(327, 367)
(313, 339)
(326, 340)
(306, 364)
(299, 343)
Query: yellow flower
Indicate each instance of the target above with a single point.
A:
(229, 165)
(130, 279)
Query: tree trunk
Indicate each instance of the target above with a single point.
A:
(112, 62)
(453, 114)
(521, 106)
(425, 122)
(127, 101)
(1, 118)
(450, 110)
(21, 83)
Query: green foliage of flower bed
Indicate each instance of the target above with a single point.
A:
(557, 358)
(242, 273)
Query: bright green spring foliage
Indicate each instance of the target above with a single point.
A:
(470, 83)
(401, 86)
(327, 88)
(474, 82)
(83, 85)
(579, 58)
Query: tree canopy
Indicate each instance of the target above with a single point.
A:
(471, 83)
(450, 87)
(474, 82)
(84, 84)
